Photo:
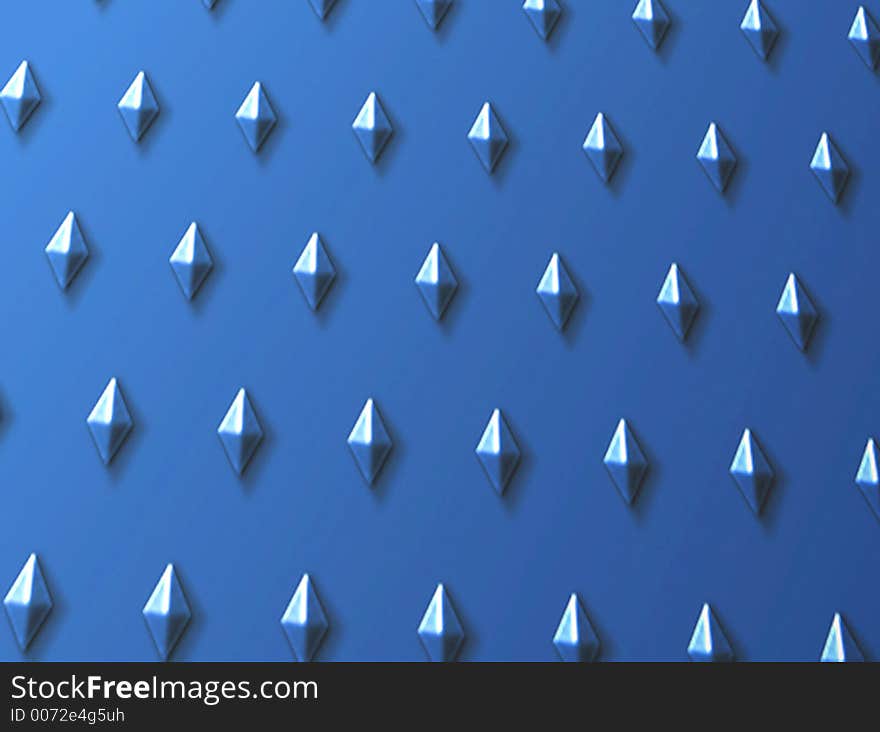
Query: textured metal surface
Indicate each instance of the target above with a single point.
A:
(295, 519)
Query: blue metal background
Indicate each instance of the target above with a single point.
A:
(240, 546)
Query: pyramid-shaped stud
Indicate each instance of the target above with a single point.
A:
(677, 302)
(372, 127)
(797, 312)
(436, 282)
(759, 29)
(240, 432)
(557, 292)
(167, 612)
(322, 8)
(314, 271)
(369, 442)
(28, 602)
(209, 4)
(625, 462)
(716, 157)
(708, 642)
(864, 35)
(543, 14)
(138, 106)
(868, 477)
(488, 138)
(840, 646)
(20, 96)
(255, 117)
(498, 452)
(652, 20)
(440, 631)
(830, 168)
(67, 251)
(191, 261)
(575, 638)
(304, 621)
(433, 11)
(602, 148)
(751, 471)
(109, 421)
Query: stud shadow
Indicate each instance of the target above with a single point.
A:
(444, 30)
(733, 190)
(621, 173)
(574, 324)
(849, 197)
(644, 499)
(818, 338)
(80, 284)
(780, 48)
(45, 639)
(560, 30)
(512, 494)
(606, 641)
(273, 140)
(670, 39)
(335, 635)
(386, 476)
(727, 629)
(203, 296)
(769, 516)
(156, 129)
(186, 644)
(456, 306)
(695, 333)
(6, 414)
(34, 123)
(333, 17)
(118, 465)
(471, 642)
(500, 171)
(250, 476)
(389, 152)
(330, 303)
(218, 11)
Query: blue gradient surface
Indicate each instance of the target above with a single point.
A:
(375, 555)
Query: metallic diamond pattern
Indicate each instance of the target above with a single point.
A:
(708, 642)
(864, 35)
(716, 157)
(372, 127)
(440, 631)
(498, 452)
(314, 271)
(759, 29)
(240, 432)
(67, 251)
(840, 646)
(829, 167)
(797, 312)
(652, 20)
(256, 118)
(369, 442)
(625, 462)
(436, 282)
(543, 14)
(304, 621)
(575, 639)
(191, 261)
(109, 421)
(602, 148)
(677, 302)
(557, 292)
(20, 96)
(28, 602)
(167, 612)
(752, 472)
(488, 138)
(138, 107)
